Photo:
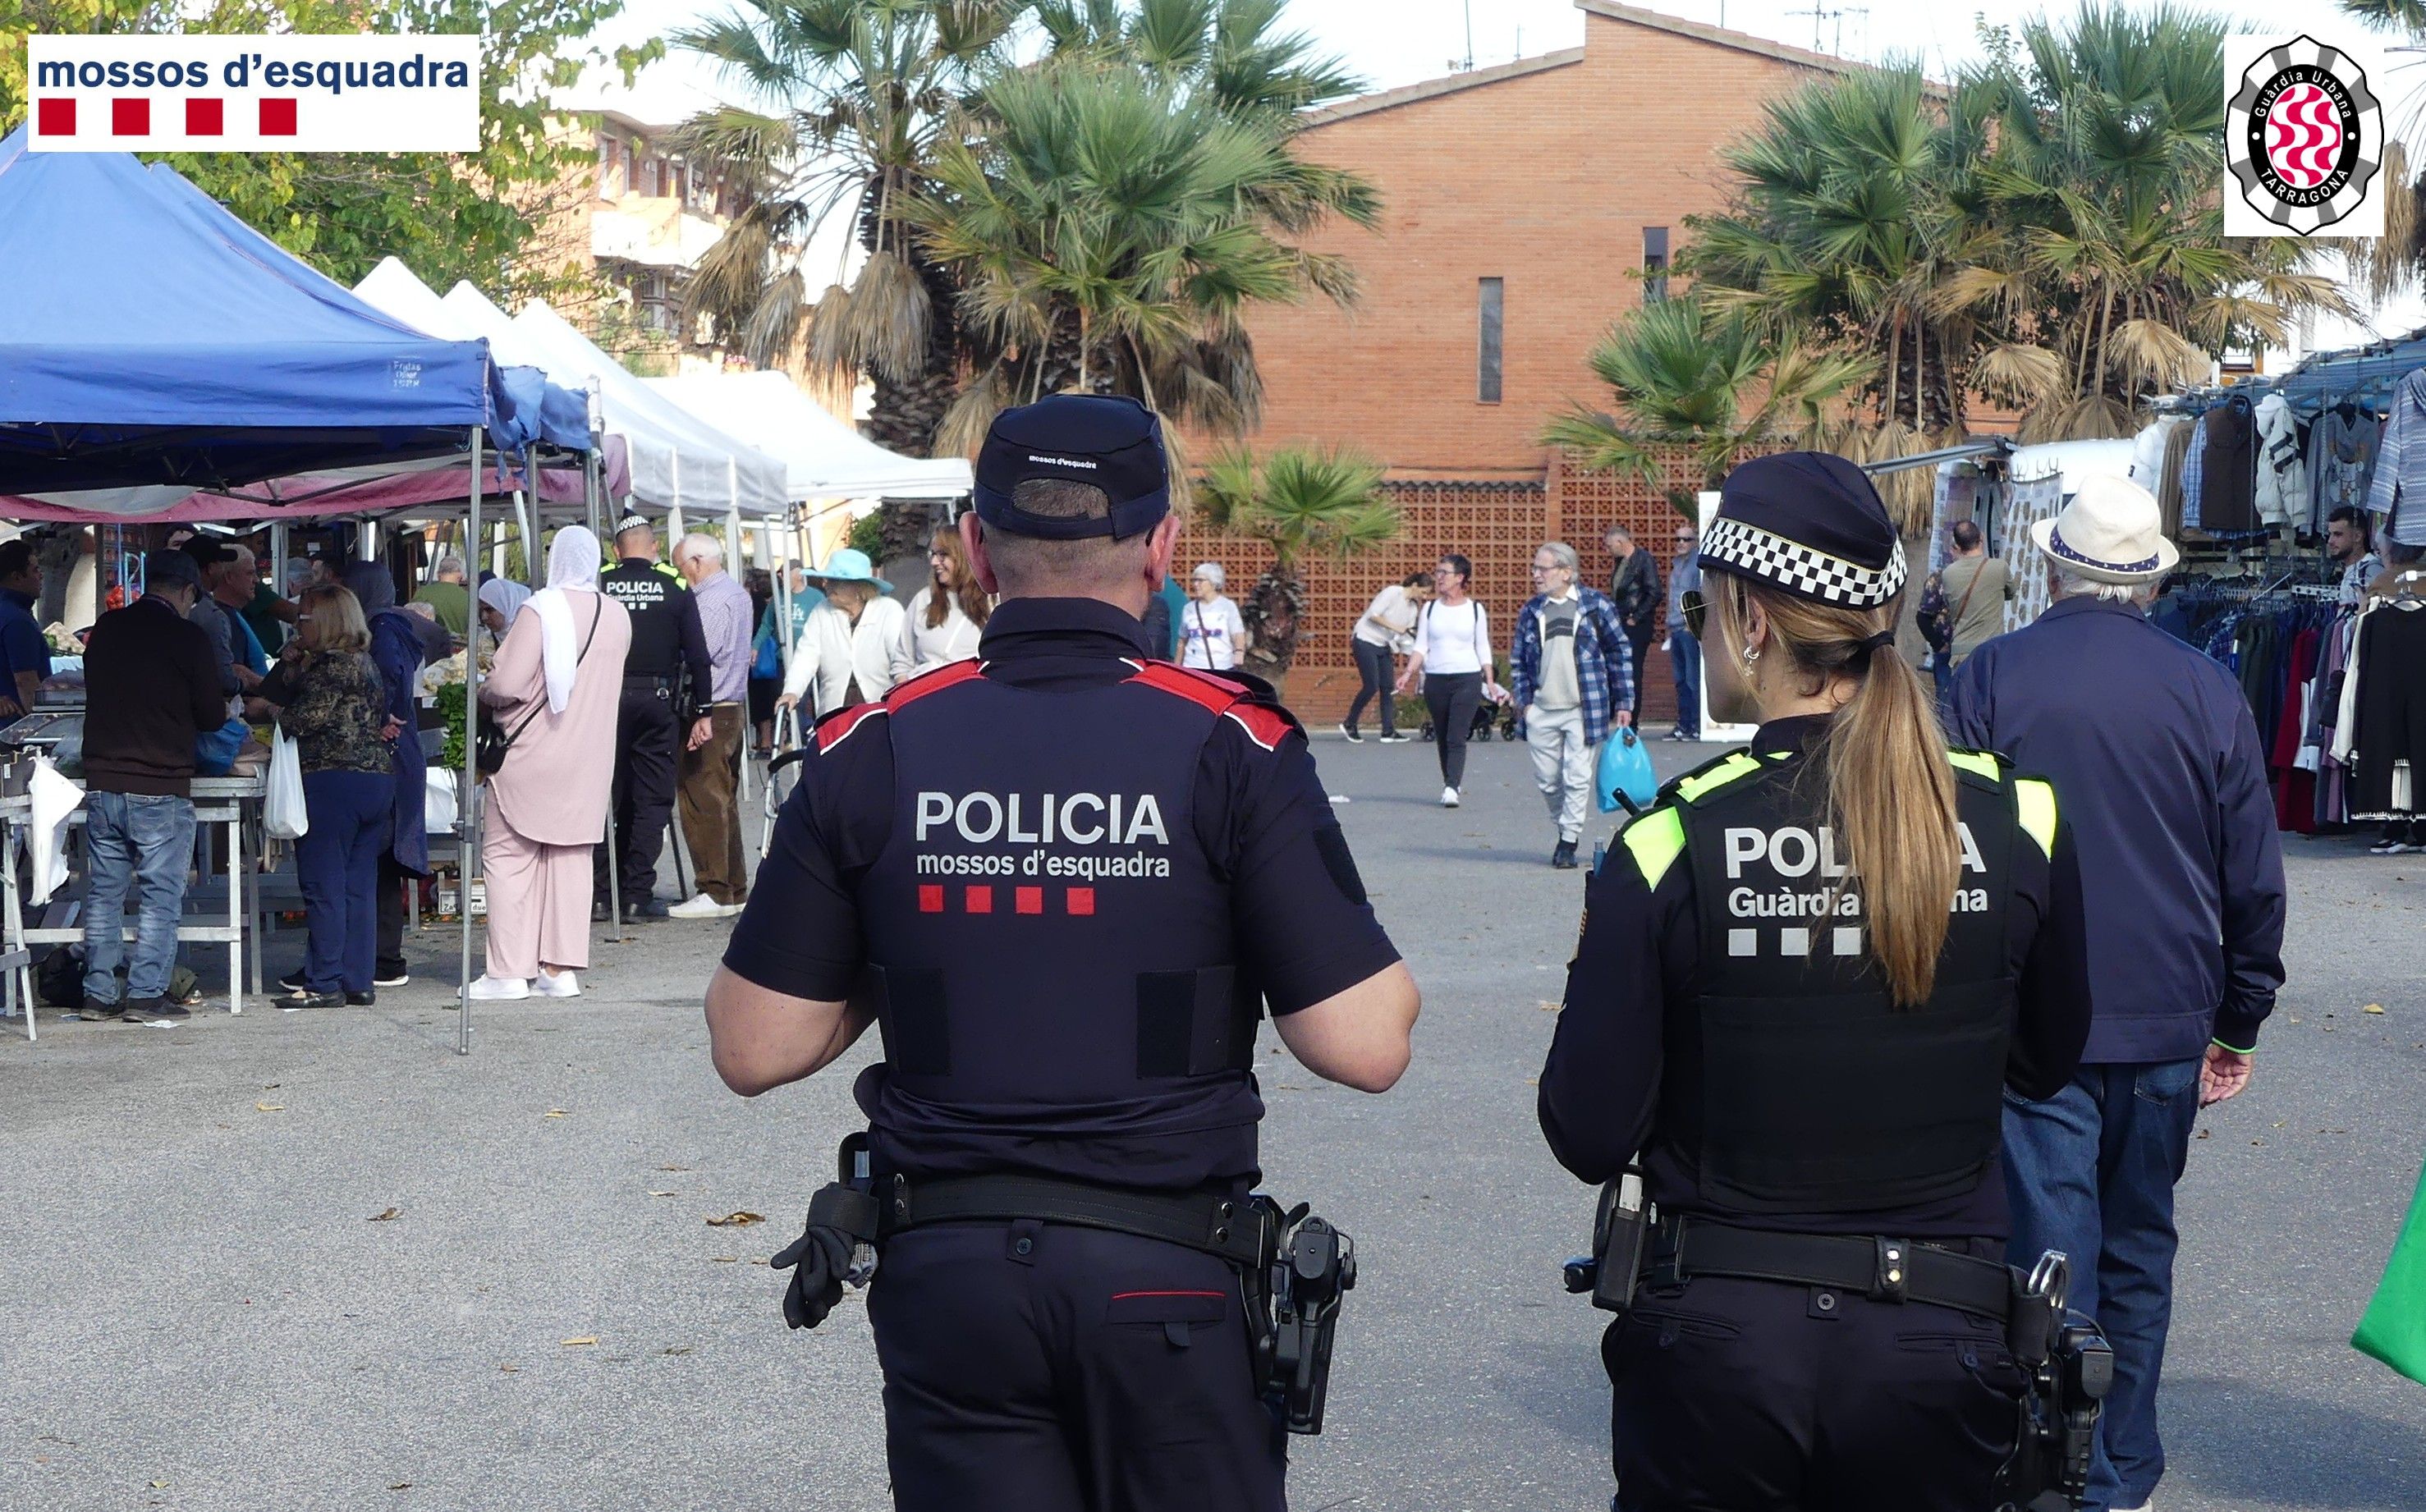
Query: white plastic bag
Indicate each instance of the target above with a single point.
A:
(281, 811)
(438, 803)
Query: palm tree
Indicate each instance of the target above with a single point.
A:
(1711, 385)
(860, 96)
(1303, 502)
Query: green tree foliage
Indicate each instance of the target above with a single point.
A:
(449, 216)
(1302, 502)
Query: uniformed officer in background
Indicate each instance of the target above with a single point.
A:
(1805, 978)
(666, 683)
(1061, 877)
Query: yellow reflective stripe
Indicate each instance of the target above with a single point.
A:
(1740, 765)
(2035, 799)
(1974, 760)
(1656, 840)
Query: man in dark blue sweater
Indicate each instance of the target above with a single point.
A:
(2154, 757)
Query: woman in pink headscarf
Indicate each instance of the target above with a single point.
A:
(558, 679)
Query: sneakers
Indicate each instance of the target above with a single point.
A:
(499, 990)
(562, 984)
(2392, 848)
(100, 1012)
(303, 997)
(1394, 737)
(700, 906)
(1564, 858)
(143, 1010)
(293, 981)
(395, 978)
(1449, 798)
(1349, 732)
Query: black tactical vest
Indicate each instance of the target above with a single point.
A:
(1059, 992)
(1798, 1087)
(653, 598)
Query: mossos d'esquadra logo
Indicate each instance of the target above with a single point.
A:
(2304, 138)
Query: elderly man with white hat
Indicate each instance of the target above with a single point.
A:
(2156, 757)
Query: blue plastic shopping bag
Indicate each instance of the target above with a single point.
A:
(1625, 769)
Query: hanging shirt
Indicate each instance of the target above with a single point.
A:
(2398, 489)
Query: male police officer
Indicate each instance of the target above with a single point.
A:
(666, 682)
(1059, 877)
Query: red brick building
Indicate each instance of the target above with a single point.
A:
(1524, 208)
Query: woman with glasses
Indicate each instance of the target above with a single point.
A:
(1807, 978)
(1452, 658)
(947, 617)
(1212, 633)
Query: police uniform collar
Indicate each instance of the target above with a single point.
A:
(1022, 626)
(1795, 733)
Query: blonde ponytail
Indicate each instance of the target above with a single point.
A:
(1890, 787)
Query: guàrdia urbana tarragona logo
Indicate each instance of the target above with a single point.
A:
(2304, 137)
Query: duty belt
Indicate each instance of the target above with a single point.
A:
(1887, 1269)
(1221, 1224)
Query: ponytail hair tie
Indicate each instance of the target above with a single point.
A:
(1879, 642)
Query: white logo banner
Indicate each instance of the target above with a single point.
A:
(250, 94)
(2303, 137)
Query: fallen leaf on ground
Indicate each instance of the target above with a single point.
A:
(2372, 1007)
(724, 1260)
(585, 1338)
(674, 1167)
(270, 1107)
(509, 1369)
(665, 1193)
(553, 1112)
(400, 1485)
(737, 1220)
(764, 1262)
(675, 1349)
(382, 1217)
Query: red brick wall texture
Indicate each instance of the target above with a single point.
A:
(1546, 177)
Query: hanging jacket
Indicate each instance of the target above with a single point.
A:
(2341, 462)
(2400, 485)
(2282, 474)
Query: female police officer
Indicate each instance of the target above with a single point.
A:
(1804, 978)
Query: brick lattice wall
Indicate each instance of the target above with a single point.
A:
(1498, 525)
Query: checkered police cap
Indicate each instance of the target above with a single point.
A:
(1807, 523)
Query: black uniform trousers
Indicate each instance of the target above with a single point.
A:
(1734, 1395)
(647, 738)
(1033, 1367)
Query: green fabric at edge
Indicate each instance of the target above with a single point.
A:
(2394, 1328)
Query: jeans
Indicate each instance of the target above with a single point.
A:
(1452, 698)
(2090, 1171)
(1562, 765)
(1637, 643)
(1373, 673)
(1685, 657)
(141, 841)
(393, 880)
(337, 863)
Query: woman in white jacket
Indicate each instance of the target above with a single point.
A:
(845, 652)
(946, 618)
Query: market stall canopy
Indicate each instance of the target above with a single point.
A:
(151, 340)
(823, 456)
(554, 413)
(677, 459)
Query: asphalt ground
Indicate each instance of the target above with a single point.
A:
(317, 1260)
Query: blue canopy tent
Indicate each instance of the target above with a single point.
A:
(153, 343)
(148, 340)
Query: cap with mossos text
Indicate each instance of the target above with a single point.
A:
(1109, 442)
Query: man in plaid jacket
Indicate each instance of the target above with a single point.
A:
(1573, 674)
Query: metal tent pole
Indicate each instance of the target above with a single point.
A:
(594, 488)
(531, 540)
(467, 813)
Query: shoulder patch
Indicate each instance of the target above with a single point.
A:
(1655, 841)
(1704, 780)
(1215, 694)
(1977, 762)
(2034, 807)
(1264, 724)
(838, 726)
(951, 674)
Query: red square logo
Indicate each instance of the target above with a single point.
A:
(930, 899)
(1029, 899)
(55, 118)
(981, 900)
(278, 118)
(130, 118)
(1082, 900)
(205, 117)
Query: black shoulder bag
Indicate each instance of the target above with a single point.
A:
(490, 751)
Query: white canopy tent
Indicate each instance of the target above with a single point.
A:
(823, 456)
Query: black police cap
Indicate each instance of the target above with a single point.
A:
(1111, 443)
(1808, 524)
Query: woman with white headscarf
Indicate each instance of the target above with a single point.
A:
(556, 687)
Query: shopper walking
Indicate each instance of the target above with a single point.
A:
(1684, 647)
(1573, 667)
(1212, 633)
(557, 690)
(845, 652)
(151, 684)
(708, 794)
(780, 623)
(1452, 657)
(332, 702)
(1634, 587)
(2152, 749)
(947, 617)
(399, 649)
(1384, 629)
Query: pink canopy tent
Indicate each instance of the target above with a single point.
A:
(317, 496)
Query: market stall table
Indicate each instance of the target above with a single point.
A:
(220, 801)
